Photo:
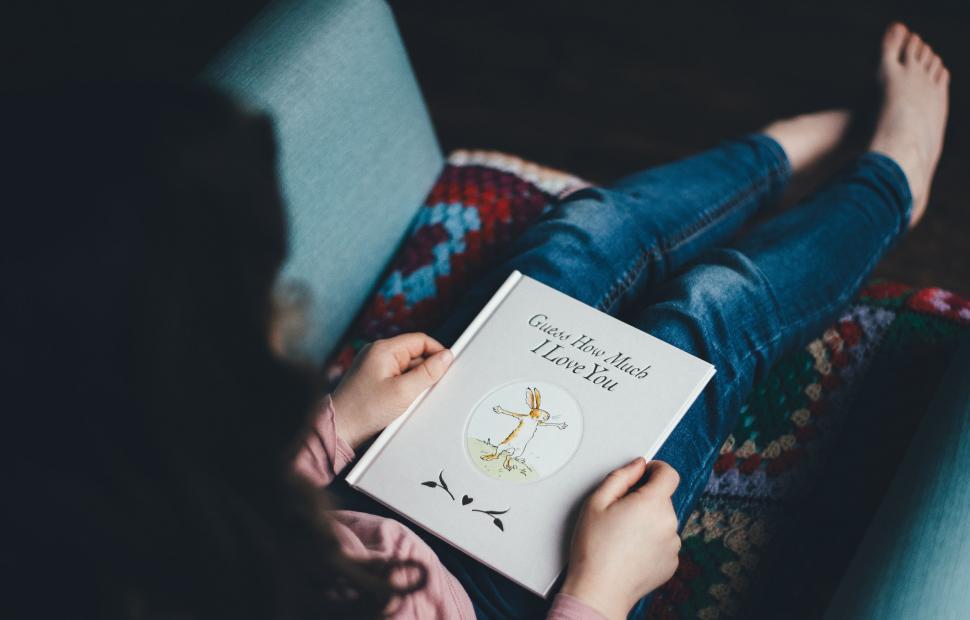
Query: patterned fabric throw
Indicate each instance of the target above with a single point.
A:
(746, 524)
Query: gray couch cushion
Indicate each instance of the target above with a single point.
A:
(357, 149)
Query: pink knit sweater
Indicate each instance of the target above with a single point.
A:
(362, 535)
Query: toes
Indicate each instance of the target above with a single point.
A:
(933, 65)
(921, 47)
(944, 76)
(914, 46)
(892, 41)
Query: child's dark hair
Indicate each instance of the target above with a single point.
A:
(153, 426)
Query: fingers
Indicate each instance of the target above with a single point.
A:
(403, 348)
(424, 375)
(412, 361)
(663, 479)
(618, 482)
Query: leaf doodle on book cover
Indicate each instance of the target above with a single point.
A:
(466, 499)
(441, 484)
(492, 513)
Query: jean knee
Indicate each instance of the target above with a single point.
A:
(594, 223)
(598, 209)
(722, 309)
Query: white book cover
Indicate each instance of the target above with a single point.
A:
(544, 397)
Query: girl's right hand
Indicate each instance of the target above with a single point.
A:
(625, 544)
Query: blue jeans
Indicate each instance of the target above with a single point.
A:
(658, 249)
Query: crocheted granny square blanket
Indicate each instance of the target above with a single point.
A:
(749, 527)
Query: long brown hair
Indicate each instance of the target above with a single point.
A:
(155, 427)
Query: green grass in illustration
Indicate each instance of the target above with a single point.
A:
(520, 471)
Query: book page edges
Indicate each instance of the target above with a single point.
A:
(353, 477)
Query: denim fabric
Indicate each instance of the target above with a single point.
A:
(658, 249)
(607, 246)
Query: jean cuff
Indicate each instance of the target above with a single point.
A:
(893, 174)
(780, 166)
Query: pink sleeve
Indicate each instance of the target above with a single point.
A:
(566, 607)
(324, 454)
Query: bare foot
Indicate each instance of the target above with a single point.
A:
(913, 116)
(810, 138)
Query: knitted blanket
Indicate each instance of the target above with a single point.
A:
(767, 521)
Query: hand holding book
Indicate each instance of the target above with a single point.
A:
(385, 378)
(626, 541)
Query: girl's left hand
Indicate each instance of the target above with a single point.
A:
(385, 378)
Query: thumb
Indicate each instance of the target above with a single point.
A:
(618, 482)
(425, 374)
(663, 479)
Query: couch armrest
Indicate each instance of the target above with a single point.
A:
(914, 561)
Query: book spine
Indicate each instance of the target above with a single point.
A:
(353, 477)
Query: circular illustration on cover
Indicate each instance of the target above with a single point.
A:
(523, 431)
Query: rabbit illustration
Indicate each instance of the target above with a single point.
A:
(515, 444)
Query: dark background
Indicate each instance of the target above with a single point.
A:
(599, 89)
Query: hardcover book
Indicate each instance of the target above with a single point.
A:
(544, 397)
